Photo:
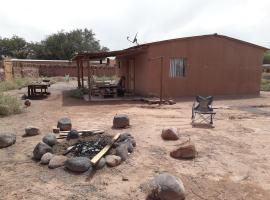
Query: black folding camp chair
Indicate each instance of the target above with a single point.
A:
(203, 108)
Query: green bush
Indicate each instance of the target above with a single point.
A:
(9, 105)
(77, 93)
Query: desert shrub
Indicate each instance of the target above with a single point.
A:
(9, 105)
(77, 93)
(265, 85)
(14, 84)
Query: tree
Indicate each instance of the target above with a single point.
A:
(13, 47)
(266, 59)
(63, 45)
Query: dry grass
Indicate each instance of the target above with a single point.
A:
(9, 105)
(15, 84)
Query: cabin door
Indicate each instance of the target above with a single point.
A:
(131, 76)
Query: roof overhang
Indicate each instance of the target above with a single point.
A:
(101, 55)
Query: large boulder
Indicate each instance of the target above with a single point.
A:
(78, 164)
(45, 159)
(49, 139)
(57, 161)
(120, 121)
(113, 160)
(64, 124)
(165, 187)
(7, 139)
(185, 151)
(31, 131)
(169, 134)
(40, 149)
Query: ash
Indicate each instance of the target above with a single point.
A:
(89, 148)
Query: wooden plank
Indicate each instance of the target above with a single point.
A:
(104, 150)
(83, 131)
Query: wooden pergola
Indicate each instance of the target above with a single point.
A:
(83, 60)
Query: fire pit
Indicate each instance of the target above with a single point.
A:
(85, 152)
(83, 147)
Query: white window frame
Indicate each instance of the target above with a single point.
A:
(177, 67)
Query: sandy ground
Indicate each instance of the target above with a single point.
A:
(233, 160)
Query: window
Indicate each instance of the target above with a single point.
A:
(177, 67)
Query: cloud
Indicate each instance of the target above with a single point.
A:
(113, 21)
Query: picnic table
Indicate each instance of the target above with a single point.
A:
(38, 89)
(108, 90)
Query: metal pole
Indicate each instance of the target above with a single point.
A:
(161, 80)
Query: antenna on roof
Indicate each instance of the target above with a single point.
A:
(135, 40)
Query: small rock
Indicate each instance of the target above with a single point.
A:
(31, 131)
(40, 149)
(169, 134)
(124, 178)
(112, 160)
(57, 161)
(27, 103)
(56, 130)
(120, 121)
(50, 139)
(7, 139)
(78, 164)
(165, 187)
(64, 124)
(101, 163)
(45, 159)
(73, 134)
(186, 151)
(122, 151)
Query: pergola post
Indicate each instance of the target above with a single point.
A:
(89, 80)
(78, 73)
(82, 74)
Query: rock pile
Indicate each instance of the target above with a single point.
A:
(76, 158)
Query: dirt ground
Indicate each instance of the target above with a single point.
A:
(233, 160)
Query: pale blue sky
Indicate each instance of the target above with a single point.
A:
(114, 20)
